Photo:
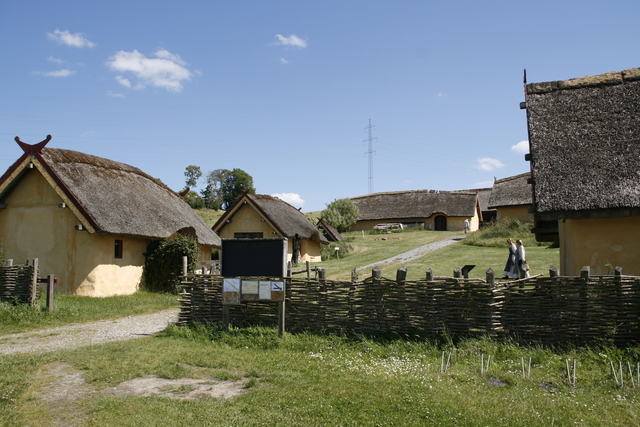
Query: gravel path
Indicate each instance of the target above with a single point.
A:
(415, 253)
(84, 334)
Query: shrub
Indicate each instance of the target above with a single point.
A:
(496, 234)
(194, 200)
(329, 251)
(341, 214)
(163, 263)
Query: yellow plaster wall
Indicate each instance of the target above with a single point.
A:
(247, 220)
(33, 226)
(519, 212)
(597, 242)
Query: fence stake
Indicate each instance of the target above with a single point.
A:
(50, 283)
(621, 377)
(633, 384)
(615, 377)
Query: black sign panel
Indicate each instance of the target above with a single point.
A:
(253, 257)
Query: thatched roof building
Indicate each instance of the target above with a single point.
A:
(512, 191)
(584, 136)
(89, 219)
(417, 206)
(117, 198)
(262, 216)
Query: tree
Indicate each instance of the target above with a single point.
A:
(194, 200)
(211, 194)
(341, 213)
(192, 175)
(234, 184)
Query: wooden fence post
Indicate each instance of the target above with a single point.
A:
(9, 263)
(457, 273)
(33, 299)
(491, 277)
(429, 275)
(50, 284)
(308, 270)
(185, 263)
(491, 308)
(401, 304)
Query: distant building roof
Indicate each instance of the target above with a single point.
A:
(288, 220)
(415, 204)
(585, 145)
(329, 231)
(113, 197)
(512, 191)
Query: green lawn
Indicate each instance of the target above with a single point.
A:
(313, 380)
(371, 248)
(75, 309)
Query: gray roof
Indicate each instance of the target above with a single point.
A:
(287, 219)
(121, 199)
(585, 145)
(510, 192)
(415, 204)
(329, 231)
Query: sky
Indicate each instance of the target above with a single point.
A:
(285, 90)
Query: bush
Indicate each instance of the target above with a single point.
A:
(341, 214)
(496, 234)
(329, 251)
(194, 200)
(163, 263)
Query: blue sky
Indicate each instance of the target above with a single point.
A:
(284, 90)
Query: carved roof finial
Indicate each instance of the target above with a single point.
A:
(35, 148)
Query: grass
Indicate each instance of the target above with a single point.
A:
(210, 216)
(75, 309)
(313, 380)
(488, 251)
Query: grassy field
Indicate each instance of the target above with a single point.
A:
(323, 380)
(369, 248)
(74, 309)
(313, 380)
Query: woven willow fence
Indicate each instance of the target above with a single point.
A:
(547, 310)
(19, 283)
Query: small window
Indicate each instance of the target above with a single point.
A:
(117, 253)
(247, 235)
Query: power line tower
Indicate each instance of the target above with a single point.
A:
(370, 153)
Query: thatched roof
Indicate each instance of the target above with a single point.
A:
(329, 231)
(116, 198)
(288, 220)
(585, 145)
(484, 194)
(415, 204)
(510, 192)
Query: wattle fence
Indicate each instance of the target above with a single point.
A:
(18, 283)
(547, 310)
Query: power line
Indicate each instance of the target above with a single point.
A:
(370, 154)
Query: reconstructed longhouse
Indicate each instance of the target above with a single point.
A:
(511, 198)
(584, 137)
(259, 216)
(434, 210)
(88, 220)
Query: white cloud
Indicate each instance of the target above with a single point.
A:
(292, 40)
(488, 164)
(56, 60)
(60, 73)
(291, 198)
(65, 37)
(521, 147)
(124, 82)
(284, 61)
(440, 94)
(167, 70)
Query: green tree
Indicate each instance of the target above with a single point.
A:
(192, 175)
(163, 263)
(232, 187)
(341, 213)
(194, 200)
(212, 194)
